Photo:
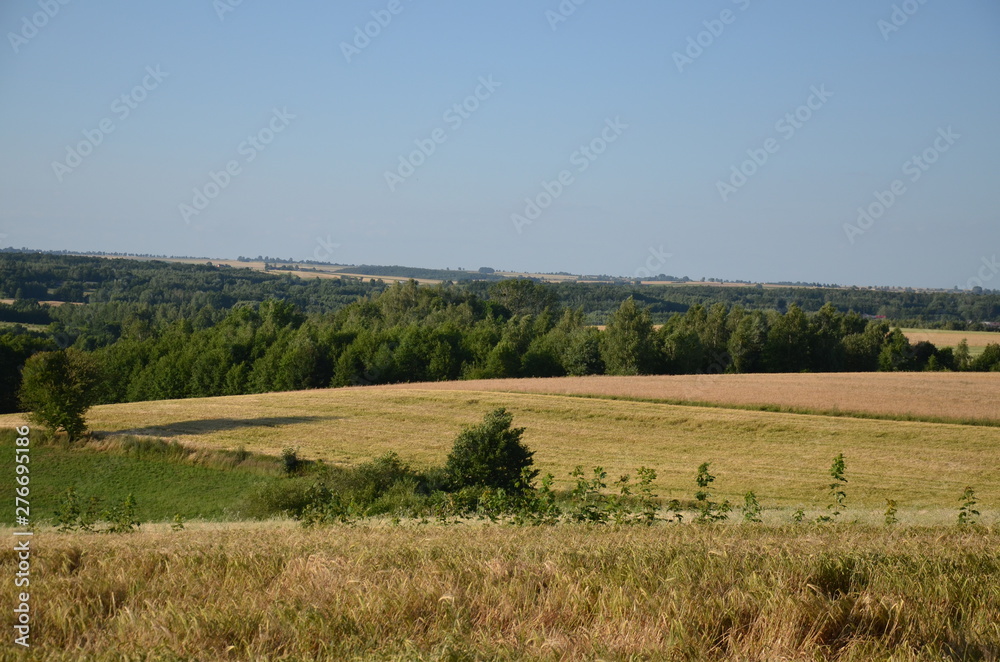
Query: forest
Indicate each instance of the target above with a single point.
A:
(157, 330)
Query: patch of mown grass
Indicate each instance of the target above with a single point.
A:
(165, 478)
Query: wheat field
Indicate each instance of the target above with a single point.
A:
(376, 592)
(932, 396)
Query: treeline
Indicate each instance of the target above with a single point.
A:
(946, 310)
(79, 279)
(410, 333)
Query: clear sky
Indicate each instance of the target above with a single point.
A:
(731, 138)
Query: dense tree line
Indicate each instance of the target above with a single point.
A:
(949, 310)
(158, 330)
(410, 333)
(48, 277)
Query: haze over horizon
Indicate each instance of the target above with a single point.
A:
(853, 143)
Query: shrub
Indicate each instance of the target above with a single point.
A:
(275, 497)
(122, 518)
(708, 510)
(968, 514)
(491, 454)
(290, 461)
(751, 508)
(837, 493)
(890, 512)
(589, 504)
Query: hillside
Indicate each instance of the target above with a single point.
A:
(783, 457)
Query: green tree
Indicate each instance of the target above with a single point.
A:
(962, 355)
(491, 454)
(58, 388)
(628, 341)
(746, 344)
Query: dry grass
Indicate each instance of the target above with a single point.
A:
(782, 457)
(570, 593)
(931, 396)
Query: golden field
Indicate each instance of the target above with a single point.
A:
(783, 457)
(415, 592)
(977, 340)
(930, 395)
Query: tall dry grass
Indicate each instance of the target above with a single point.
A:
(567, 593)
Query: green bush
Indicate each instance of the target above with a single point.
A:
(275, 498)
(491, 454)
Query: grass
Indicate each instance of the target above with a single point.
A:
(165, 479)
(668, 592)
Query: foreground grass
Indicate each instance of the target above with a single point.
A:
(165, 480)
(671, 592)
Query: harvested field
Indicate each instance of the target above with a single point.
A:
(930, 396)
(783, 457)
(977, 340)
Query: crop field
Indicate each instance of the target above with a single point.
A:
(923, 588)
(977, 340)
(782, 457)
(956, 397)
(273, 591)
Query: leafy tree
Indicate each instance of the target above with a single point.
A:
(491, 454)
(989, 360)
(897, 353)
(788, 342)
(962, 355)
(582, 354)
(58, 388)
(746, 344)
(628, 341)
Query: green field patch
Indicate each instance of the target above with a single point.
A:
(165, 479)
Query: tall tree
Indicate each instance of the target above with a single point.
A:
(58, 388)
(628, 341)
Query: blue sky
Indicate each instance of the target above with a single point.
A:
(309, 133)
